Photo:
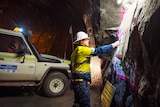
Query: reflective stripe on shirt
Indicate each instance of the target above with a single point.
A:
(80, 59)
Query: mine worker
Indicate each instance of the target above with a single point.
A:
(80, 63)
(14, 45)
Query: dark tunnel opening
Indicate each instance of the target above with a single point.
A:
(151, 37)
(150, 82)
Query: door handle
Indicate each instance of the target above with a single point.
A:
(1, 58)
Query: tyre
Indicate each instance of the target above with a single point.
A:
(55, 84)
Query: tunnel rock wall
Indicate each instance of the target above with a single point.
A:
(110, 17)
(148, 24)
(143, 50)
(138, 73)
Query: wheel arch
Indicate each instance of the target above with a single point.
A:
(52, 70)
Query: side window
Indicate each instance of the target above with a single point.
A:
(3, 44)
(12, 44)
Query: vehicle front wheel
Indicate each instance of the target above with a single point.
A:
(55, 84)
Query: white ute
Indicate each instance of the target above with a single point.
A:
(22, 65)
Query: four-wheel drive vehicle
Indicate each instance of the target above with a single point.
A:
(22, 65)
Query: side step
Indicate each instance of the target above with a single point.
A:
(17, 84)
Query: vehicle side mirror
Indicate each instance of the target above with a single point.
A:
(21, 52)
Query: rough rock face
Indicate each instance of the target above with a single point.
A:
(149, 84)
(141, 58)
(140, 64)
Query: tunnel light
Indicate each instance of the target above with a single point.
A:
(119, 1)
(20, 29)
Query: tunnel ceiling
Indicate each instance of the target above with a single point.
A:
(63, 11)
(48, 20)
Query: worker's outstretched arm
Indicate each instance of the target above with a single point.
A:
(104, 48)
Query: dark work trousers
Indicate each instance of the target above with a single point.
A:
(81, 93)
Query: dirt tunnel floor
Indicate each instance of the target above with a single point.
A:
(15, 97)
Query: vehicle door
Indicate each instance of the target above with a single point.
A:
(16, 61)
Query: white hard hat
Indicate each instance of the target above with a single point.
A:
(80, 36)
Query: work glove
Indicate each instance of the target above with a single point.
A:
(115, 44)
